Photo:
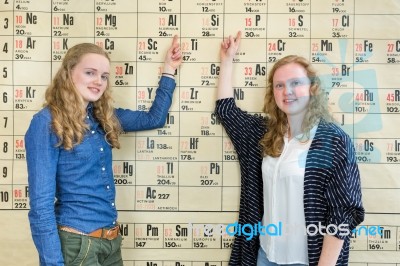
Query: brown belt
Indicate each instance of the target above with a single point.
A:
(106, 233)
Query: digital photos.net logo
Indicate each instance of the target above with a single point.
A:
(279, 229)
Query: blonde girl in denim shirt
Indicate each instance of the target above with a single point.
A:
(69, 143)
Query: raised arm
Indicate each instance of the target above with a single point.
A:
(228, 49)
(156, 116)
(173, 58)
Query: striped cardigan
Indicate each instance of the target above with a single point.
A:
(332, 190)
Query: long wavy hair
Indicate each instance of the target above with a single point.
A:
(66, 104)
(277, 122)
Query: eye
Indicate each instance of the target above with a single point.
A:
(296, 82)
(89, 73)
(278, 86)
(104, 78)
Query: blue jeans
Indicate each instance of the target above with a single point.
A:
(263, 261)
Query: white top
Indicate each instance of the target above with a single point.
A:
(283, 185)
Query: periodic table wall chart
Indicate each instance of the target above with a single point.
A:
(175, 183)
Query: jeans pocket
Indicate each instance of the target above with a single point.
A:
(75, 248)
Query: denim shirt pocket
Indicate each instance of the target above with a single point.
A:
(85, 149)
(82, 151)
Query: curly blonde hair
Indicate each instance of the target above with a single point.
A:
(277, 122)
(66, 104)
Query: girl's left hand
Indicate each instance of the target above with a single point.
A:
(173, 57)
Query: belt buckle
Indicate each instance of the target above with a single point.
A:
(108, 234)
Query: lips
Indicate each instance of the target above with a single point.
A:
(95, 90)
(289, 100)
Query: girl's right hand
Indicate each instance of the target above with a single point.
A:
(229, 47)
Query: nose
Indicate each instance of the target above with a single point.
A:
(288, 89)
(98, 80)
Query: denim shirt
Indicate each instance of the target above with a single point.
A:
(75, 188)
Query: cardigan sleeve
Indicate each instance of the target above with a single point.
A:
(238, 124)
(345, 209)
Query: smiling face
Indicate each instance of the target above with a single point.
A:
(291, 87)
(90, 77)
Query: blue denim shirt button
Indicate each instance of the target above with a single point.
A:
(103, 168)
(108, 187)
(112, 204)
(101, 149)
(93, 132)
